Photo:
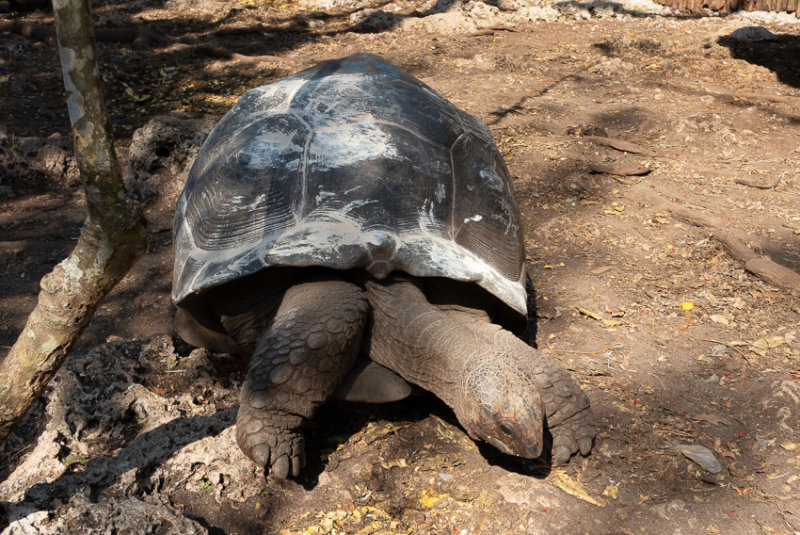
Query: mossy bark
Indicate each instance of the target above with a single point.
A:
(112, 237)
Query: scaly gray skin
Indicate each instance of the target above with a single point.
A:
(498, 387)
(306, 351)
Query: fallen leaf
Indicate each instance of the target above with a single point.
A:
(622, 407)
(719, 318)
(401, 463)
(700, 455)
(791, 446)
(590, 314)
(428, 498)
(561, 480)
(612, 491)
(762, 345)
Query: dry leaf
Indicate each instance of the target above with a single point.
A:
(428, 498)
(762, 345)
(719, 318)
(590, 314)
(561, 480)
(612, 491)
(700, 455)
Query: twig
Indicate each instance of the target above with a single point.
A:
(618, 144)
(747, 360)
(683, 434)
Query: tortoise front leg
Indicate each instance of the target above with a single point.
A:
(305, 352)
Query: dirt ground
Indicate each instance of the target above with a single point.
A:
(655, 160)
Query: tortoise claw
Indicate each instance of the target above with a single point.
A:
(280, 449)
(561, 454)
(569, 416)
(585, 444)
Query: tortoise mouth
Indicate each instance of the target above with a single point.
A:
(530, 450)
(517, 432)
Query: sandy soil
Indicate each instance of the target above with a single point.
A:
(619, 243)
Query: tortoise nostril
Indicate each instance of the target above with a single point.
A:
(506, 429)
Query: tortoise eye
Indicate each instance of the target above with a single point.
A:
(506, 429)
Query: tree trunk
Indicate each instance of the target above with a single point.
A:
(112, 237)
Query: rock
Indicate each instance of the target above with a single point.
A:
(37, 161)
(752, 34)
(114, 516)
(132, 441)
(159, 158)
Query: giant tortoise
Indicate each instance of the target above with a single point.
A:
(350, 230)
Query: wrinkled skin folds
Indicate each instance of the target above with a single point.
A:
(501, 390)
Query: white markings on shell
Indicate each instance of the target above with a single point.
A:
(440, 193)
(325, 233)
(322, 196)
(366, 141)
(264, 95)
(261, 151)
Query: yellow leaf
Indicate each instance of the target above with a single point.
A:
(612, 491)
(428, 498)
(622, 407)
(612, 323)
(762, 345)
(791, 446)
(590, 314)
(561, 480)
(687, 305)
(374, 511)
(391, 464)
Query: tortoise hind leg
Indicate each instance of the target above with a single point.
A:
(307, 349)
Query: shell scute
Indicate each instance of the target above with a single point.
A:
(350, 164)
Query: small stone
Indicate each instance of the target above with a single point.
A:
(719, 350)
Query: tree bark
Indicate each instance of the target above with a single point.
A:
(111, 239)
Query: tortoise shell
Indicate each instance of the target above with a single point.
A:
(350, 164)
